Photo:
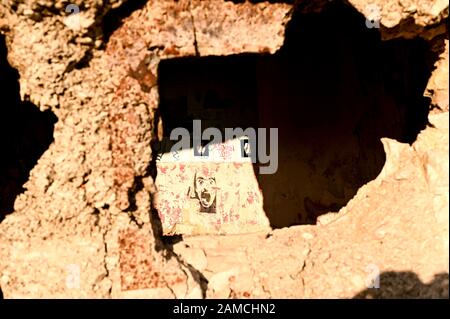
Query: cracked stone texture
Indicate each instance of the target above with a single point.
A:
(88, 200)
(437, 88)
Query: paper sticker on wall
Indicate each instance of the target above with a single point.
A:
(212, 194)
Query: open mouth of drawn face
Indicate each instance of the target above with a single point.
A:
(206, 199)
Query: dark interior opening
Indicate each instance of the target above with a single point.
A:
(25, 134)
(333, 90)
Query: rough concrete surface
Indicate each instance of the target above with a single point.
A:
(85, 225)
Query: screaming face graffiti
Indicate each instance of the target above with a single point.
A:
(205, 191)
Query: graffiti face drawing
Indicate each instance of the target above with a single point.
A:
(205, 191)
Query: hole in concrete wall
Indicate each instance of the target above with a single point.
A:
(25, 133)
(114, 18)
(333, 90)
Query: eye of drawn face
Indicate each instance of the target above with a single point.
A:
(200, 181)
(212, 182)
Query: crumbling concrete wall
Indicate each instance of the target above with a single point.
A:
(85, 227)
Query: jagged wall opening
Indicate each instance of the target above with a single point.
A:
(333, 90)
(25, 134)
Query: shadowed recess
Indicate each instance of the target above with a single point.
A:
(333, 90)
(114, 18)
(406, 285)
(25, 134)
